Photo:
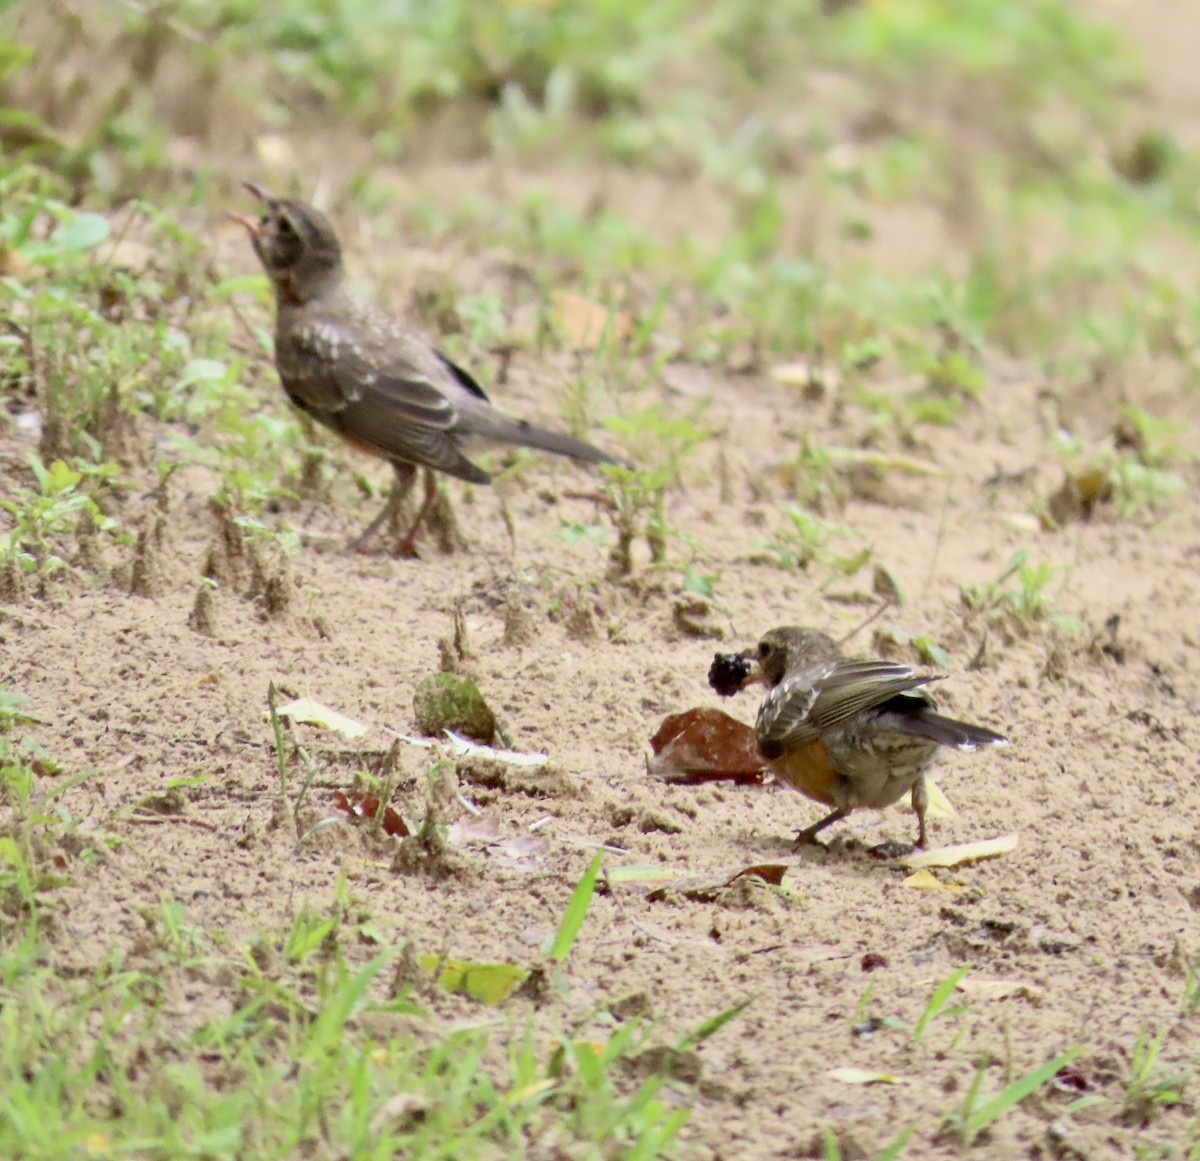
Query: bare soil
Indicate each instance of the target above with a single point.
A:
(1092, 918)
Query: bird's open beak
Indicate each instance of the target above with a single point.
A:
(248, 221)
(257, 190)
(754, 671)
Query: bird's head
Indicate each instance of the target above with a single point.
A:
(778, 652)
(786, 648)
(296, 244)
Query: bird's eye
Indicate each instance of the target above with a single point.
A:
(286, 229)
(764, 650)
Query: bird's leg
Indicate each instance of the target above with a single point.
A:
(808, 835)
(407, 546)
(897, 850)
(406, 475)
(920, 804)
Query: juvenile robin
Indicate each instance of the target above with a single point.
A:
(376, 382)
(844, 731)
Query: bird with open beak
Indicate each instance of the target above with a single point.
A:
(376, 382)
(847, 732)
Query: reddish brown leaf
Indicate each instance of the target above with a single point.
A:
(366, 806)
(705, 745)
(768, 872)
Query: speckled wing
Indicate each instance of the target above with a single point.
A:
(807, 702)
(387, 393)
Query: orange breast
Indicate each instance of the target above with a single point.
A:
(808, 770)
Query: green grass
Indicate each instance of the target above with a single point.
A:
(297, 1067)
(976, 1113)
(792, 129)
(299, 1062)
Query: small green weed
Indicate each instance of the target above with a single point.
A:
(44, 516)
(939, 1004)
(1151, 1085)
(806, 540)
(1024, 603)
(637, 496)
(973, 1116)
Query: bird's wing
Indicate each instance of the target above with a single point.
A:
(378, 423)
(328, 366)
(807, 702)
(380, 386)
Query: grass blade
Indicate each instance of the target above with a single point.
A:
(937, 1001)
(714, 1024)
(1016, 1092)
(574, 915)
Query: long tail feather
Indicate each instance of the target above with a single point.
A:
(946, 731)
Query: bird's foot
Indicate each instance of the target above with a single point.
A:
(808, 839)
(406, 547)
(892, 849)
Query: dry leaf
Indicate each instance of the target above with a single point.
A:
(586, 324)
(884, 462)
(806, 375)
(962, 853)
(460, 747)
(925, 880)
(523, 853)
(1021, 522)
(366, 806)
(768, 872)
(313, 713)
(995, 989)
(473, 830)
(705, 745)
(939, 805)
(862, 1076)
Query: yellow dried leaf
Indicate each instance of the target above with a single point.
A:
(806, 375)
(1021, 522)
(925, 880)
(962, 853)
(939, 804)
(884, 461)
(862, 1076)
(313, 713)
(995, 989)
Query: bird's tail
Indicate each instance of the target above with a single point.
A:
(948, 732)
(524, 434)
(530, 435)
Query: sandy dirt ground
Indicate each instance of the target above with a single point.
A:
(1090, 922)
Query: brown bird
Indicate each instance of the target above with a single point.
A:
(846, 732)
(379, 384)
